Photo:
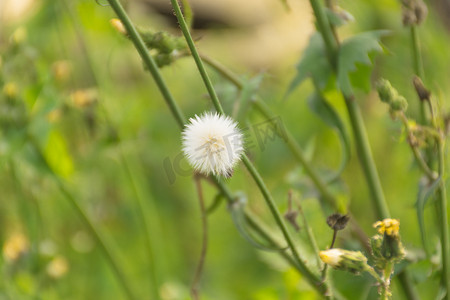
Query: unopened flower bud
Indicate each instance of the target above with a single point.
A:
(385, 91)
(421, 90)
(399, 103)
(337, 221)
(387, 246)
(414, 12)
(118, 25)
(340, 259)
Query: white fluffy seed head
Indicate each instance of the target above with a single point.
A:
(212, 143)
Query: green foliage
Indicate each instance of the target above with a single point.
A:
(328, 114)
(354, 62)
(314, 63)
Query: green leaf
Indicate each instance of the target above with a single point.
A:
(338, 18)
(57, 155)
(314, 63)
(328, 114)
(246, 95)
(354, 60)
(424, 194)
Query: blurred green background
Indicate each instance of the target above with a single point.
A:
(81, 89)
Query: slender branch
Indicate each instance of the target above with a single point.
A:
(366, 159)
(418, 67)
(198, 272)
(443, 219)
(417, 155)
(362, 143)
(250, 167)
(196, 56)
(148, 61)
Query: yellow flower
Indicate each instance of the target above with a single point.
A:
(15, 247)
(57, 267)
(10, 90)
(389, 226)
(331, 257)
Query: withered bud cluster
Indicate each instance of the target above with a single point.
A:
(414, 12)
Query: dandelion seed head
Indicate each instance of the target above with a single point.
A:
(212, 143)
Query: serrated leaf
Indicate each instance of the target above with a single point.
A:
(329, 115)
(424, 194)
(354, 58)
(314, 63)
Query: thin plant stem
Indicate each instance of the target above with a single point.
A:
(417, 155)
(357, 124)
(366, 159)
(150, 64)
(323, 25)
(107, 253)
(310, 235)
(443, 219)
(198, 272)
(361, 140)
(148, 61)
(250, 167)
(264, 233)
(418, 67)
(292, 144)
(198, 61)
(278, 218)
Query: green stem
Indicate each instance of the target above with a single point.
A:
(298, 154)
(417, 155)
(357, 124)
(250, 167)
(279, 220)
(148, 61)
(258, 227)
(323, 26)
(418, 67)
(107, 253)
(366, 159)
(443, 220)
(196, 56)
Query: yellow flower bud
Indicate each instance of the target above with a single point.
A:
(118, 25)
(389, 226)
